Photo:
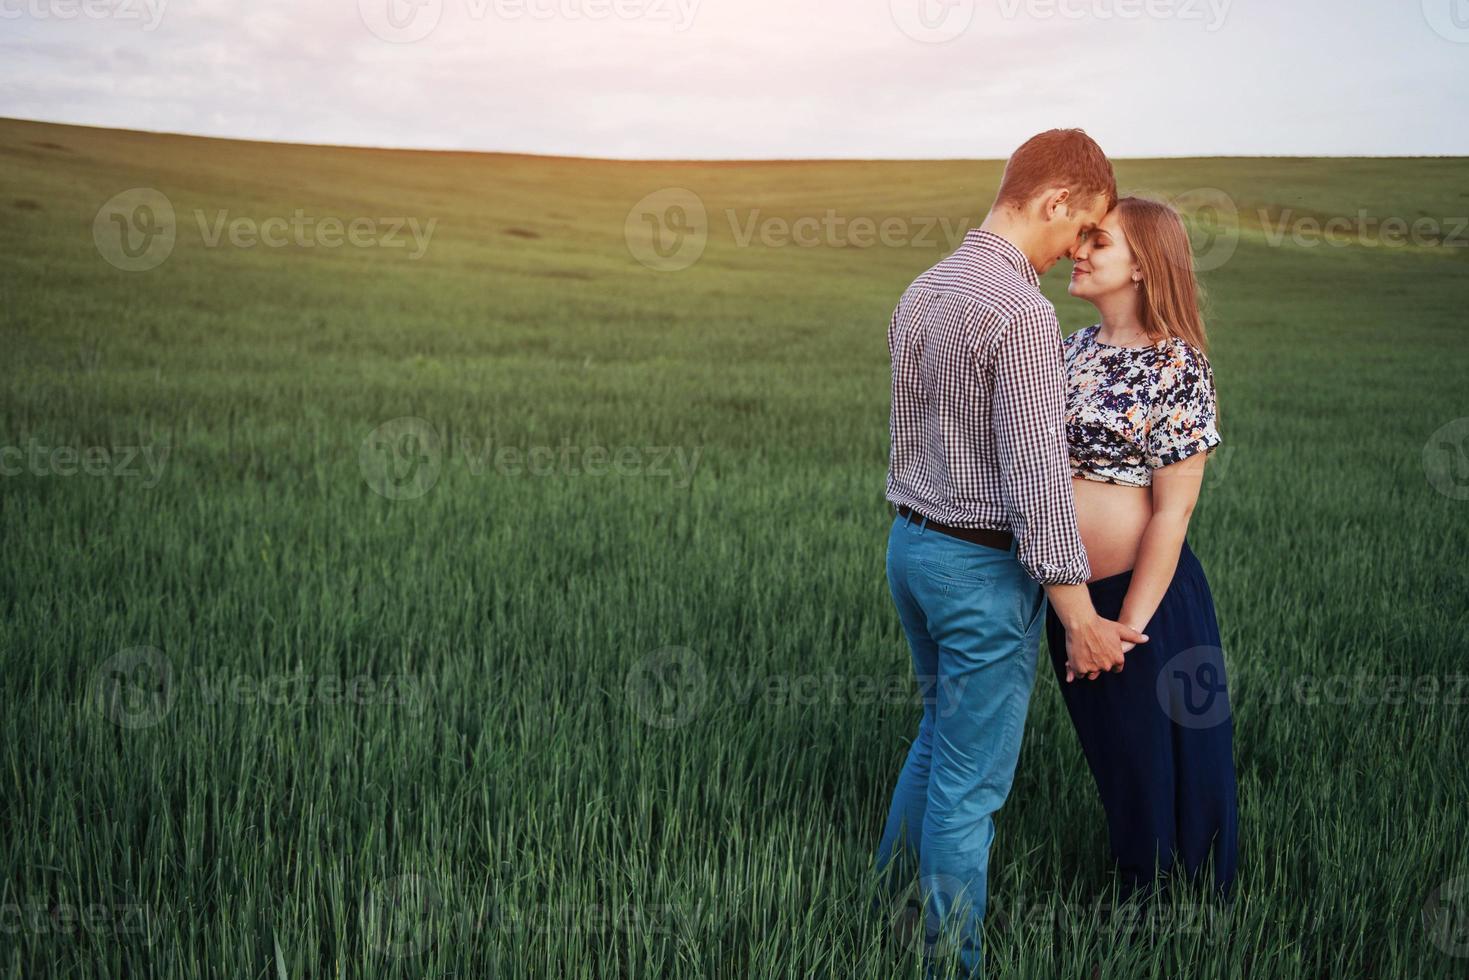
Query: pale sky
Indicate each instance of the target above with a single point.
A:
(755, 78)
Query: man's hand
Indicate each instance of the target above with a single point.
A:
(1098, 645)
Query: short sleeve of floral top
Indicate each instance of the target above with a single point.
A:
(1132, 410)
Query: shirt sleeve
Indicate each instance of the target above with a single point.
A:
(1184, 416)
(1030, 443)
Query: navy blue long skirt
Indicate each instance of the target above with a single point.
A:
(1158, 736)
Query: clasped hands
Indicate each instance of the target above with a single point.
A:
(1098, 645)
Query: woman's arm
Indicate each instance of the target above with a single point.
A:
(1175, 492)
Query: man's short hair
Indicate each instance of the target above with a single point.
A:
(1058, 158)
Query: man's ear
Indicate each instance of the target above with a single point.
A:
(1056, 203)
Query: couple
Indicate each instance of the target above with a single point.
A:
(1025, 468)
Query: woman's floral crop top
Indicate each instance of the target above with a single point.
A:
(1130, 410)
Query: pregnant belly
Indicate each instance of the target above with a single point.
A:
(1112, 519)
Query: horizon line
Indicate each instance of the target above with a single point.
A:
(306, 144)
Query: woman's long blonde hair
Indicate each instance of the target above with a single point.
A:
(1170, 293)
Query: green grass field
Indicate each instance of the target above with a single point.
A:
(611, 685)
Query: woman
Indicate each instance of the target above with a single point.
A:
(1140, 422)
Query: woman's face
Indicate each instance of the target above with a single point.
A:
(1104, 265)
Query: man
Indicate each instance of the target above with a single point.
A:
(986, 528)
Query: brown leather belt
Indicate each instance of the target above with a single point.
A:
(1000, 540)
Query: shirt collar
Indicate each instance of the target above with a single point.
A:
(990, 242)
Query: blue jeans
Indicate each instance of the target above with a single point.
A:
(973, 619)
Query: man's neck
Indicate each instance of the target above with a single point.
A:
(1012, 227)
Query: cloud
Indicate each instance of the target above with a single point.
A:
(741, 78)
